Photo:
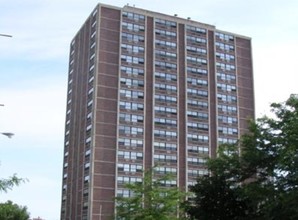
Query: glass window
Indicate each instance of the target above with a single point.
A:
(196, 160)
(198, 149)
(133, 27)
(196, 39)
(165, 158)
(196, 137)
(165, 110)
(196, 29)
(133, 16)
(197, 71)
(132, 71)
(165, 145)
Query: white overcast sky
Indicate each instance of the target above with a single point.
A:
(33, 76)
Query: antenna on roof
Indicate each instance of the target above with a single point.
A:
(188, 18)
(134, 5)
(175, 15)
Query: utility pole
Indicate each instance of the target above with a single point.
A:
(7, 134)
(5, 35)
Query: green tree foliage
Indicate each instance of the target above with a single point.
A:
(10, 211)
(256, 178)
(150, 200)
(7, 184)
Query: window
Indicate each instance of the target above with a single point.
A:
(128, 142)
(227, 130)
(197, 82)
(165, 54)
(133, 16)
(165, 158)
(87, 178)
(130, 130)
(165, 170)
(164, 133)
(226, 77)
(196, 60)
(165, 87)
(225, 47)
(196, 29)
(196, 137)
(130, 167)
(130, 155)
(193, 102)
(165, 33)
(169, 183)
(222, 140)
(87, 165)
(226, 87)
(227, 98)
(133, 27)
(165, 65)
(131, 59)
(165, 98)
(132, 71)
(128, 179)
(165, 76)
(165, 110)
(131, 118)
(124, 193)
(131, 94)
(196, 50)
(224, 37)
(165, 22)
(88, 152)
(164, 43)
(196, 160)
(88, 140)
(227, 108)
(165, 145)
(191, 183)
(131, 106)
(196, 173)
(195, 114)
(131, 82)
(198, 149)
(165, 121)
(197, 92)
(197, 71)
(225, 57)
(133, 37)
(196, 39)
(132, 48)
(198, 126)
(224, 66)
(227, 119)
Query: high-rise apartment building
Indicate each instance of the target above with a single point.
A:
(148, 89)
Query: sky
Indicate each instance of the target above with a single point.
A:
(34, 66)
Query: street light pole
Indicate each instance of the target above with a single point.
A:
(5, 35)
(7, 134)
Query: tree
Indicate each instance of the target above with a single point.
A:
(7, 184)
(150, 200)
(218, 196)
(258, 175)
(10, 211)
